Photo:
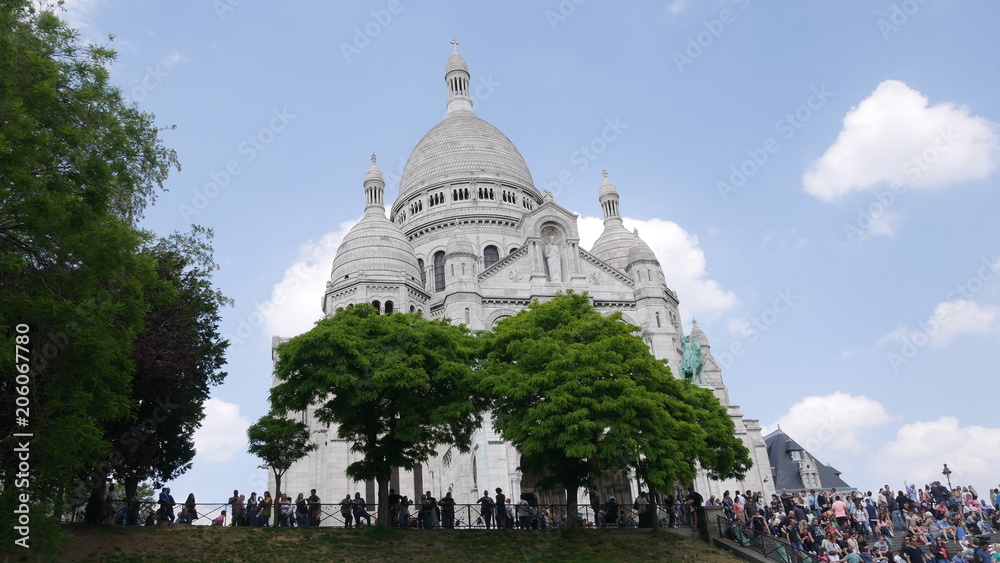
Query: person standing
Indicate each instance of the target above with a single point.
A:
(501, 509)
(166, 506)
(360, 511)
(394, 500)
(347, 510)
(694, 501)
(447, 505)
(301, 511)
(110, 504)
(486, 509)
(266, 504)
(236, 502)
(192, 509)
(251, 510)
(315, 508)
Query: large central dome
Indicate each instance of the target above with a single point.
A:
(462, 146)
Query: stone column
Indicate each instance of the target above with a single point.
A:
(708, 526)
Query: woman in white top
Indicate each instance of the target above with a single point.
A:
(831, 547)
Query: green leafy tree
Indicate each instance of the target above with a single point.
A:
(280, 442)
(577, 393)
(178, 357)
(396, 386)
(78, 164)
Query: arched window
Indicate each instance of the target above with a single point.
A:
(439, 271)
(423, 273)
(490, 256)
(466, 316)
(657, 320)
(412, 308)
(378, 306)
(388, 307)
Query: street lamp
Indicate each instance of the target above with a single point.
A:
(947, 474)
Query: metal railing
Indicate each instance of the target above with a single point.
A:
(334, 515)
(772, 548)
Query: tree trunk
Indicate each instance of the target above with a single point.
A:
(654, 505)
(95, 506)
(131, 486)
(572, 509)
(277, 483)
(383, 499)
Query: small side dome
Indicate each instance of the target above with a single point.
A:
(696, 332)
(456, 62)
(607, 186)
(374, 172)
(460, 244)
(640, 252)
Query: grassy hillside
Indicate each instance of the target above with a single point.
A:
(183, 543)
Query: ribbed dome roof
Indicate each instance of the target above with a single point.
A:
(377, 247)
(456, 62)
(640, 251)
(462, 145)
(460, 244)
(614, 243)
(607, 187)
(696, 332)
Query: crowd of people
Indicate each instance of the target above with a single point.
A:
(857, 527)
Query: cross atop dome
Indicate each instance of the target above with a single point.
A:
(604, 171)
(373, 158)
(454, 42)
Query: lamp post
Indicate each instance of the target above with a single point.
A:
(947, 475)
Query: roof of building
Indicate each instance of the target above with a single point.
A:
(786, 470)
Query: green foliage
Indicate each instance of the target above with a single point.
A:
(178, 357)
(280, 442)
(78, 164)
(397, 386)
(578, 393)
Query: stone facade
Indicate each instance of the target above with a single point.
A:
(470, 238)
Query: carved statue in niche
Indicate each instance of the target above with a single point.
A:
(553, 261)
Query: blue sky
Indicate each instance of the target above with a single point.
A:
(819, 181)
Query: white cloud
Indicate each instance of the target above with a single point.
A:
(682, 260)
(894, 136)
(950, 320)
(296, 300)
(920, 449)
(677, 6)
(223, 432)
(833, 422)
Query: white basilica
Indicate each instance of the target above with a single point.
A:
(470, 238)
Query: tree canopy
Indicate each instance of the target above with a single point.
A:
(397, 386)
(577, 393)
(280, 442)
(78, 166)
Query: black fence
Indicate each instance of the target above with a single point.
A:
(772, 548)
(460, 516)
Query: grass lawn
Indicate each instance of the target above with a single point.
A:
(203, 543)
